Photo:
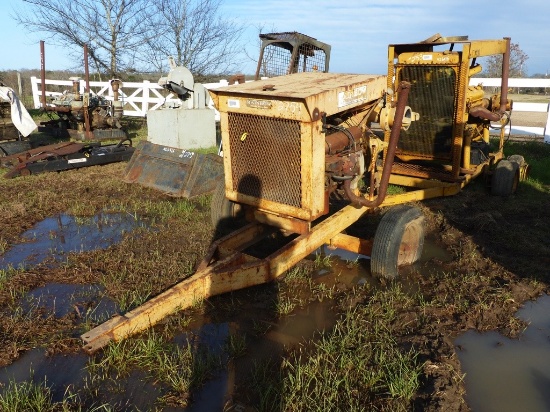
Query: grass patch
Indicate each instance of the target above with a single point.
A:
(235, 345)
(357, 366)
(180, 368)
(5, 276)
(26, 396)
(537, 155)
(32, 397)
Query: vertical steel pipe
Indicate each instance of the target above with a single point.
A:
(505, 74)
(87, 99)
(404, 88)
(43, 73)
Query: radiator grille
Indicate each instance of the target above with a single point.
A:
(432, 95)
(266, 157)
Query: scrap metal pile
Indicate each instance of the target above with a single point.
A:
(81, 114)
(77, 115)
(84, 116)
(23, 159)
(65, 156)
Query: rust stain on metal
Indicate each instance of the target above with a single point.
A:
(42, 151)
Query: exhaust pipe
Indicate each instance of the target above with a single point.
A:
(403, 94)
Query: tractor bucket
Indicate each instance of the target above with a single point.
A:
(176, 172)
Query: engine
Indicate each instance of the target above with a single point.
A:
(290, 142)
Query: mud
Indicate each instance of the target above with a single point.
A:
(485, 258)
(503, 374)
(81, 302)
(57, 236)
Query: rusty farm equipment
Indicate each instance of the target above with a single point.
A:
(76, 115)
(297, 146)
(80, 114)
(58, 157)
(166, 161)
(172, 171)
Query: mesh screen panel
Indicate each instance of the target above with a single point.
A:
(432, 95)
(266, 157)
(276, 60)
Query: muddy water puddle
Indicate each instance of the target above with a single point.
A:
(354, 268)
(34, 366)
(505, 374)
(84, 302)
(215, 392)
(62, 234)
(138, 391)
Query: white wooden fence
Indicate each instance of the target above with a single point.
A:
(524, 106)
(138, 98)
(141, 97)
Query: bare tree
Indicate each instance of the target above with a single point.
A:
(112, 29)
(517, 63)
(195, 35)
(253, 56)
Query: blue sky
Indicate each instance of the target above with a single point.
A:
(358, 30)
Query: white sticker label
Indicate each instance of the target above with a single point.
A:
(427, 57)
(82, 160)
(357, 95)
(233, 103)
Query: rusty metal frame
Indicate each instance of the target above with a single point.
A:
(294, 42)
(459, 168)
(227, 268)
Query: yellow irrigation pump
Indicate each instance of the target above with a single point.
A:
(293, 143)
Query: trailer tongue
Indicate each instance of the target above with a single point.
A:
(228, 266)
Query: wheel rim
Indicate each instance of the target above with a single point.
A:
(410, 243)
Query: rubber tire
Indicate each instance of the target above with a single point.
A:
(505, 179)
(223, 212)
(398, 240)
(519, 159)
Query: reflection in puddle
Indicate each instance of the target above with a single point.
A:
(355, 268)
(303, 324)
(86, 302)
(212, 337)
(267, 336)
(56, 236)
(345, 268)
(66, 374)
(36, 367)
(343, 254)
(509, 375)
(283, 333)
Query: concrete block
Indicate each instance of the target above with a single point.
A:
(182, 128)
